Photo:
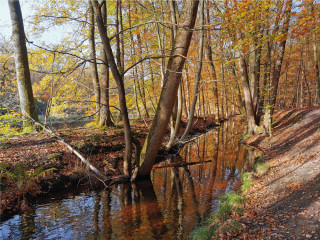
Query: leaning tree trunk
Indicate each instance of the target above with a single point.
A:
(169, 91)
(27, 103)
(120, 85)
(175, 121)
(198, 77)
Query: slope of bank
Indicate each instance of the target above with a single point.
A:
(284, 203)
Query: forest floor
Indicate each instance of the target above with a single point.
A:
(284, 202)
(103, 148)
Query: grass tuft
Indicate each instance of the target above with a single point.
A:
(229, 204)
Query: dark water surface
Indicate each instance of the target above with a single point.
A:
(169, 206)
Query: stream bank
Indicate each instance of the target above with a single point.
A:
(182, 191)
(284, 202)
(102, 147)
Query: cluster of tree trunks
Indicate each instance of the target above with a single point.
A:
(259, 75)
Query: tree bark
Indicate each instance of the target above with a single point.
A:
(93, 61)
(169, 91)
(247, 94)
(316, 57)
(160, 45)
(140, 80)
(105, 113)
(280, 56)
(198, 76)
(214, 73)
(177, 110)
(27, 103)
(120, 85)
(277, 69)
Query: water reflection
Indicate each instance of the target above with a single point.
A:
(169, 207)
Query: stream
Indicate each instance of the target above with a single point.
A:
(182, 192)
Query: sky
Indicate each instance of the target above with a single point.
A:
(5, 19)
(53, 36)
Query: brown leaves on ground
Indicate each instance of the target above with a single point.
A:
(285, 202)
(102, 147)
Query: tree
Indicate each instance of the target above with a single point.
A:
(27, 103)
(93, 62)
(169, 91)
(105, 114)
(315, 53)
(120, 84)
(198, 74)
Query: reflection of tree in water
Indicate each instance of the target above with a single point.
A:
(250, 156)
(106, 214)
(126, 208)
(28, 225)
(185, 194)
(95, 220)
(155, 219)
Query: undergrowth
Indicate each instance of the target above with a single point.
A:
(25, 179)
(10, 123)
(229, 205)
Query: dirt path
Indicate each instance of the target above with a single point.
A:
(284, 203)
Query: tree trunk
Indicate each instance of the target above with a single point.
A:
(277, 68)
(198, 77)
(317, 65)
(140, 81)
(135, 70)
(242, 107)
(27, 103)
(177, 110)
(316, 56)
(169, 91)
(120, 85)
(214, 74)
(105, 114)
(255, 56)
(247, 94)
(160, 46)
(93, 62)
(281, 51)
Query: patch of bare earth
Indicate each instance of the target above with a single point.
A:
(284, 203)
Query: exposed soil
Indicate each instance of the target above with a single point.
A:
(102, 147)
(284, 203)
